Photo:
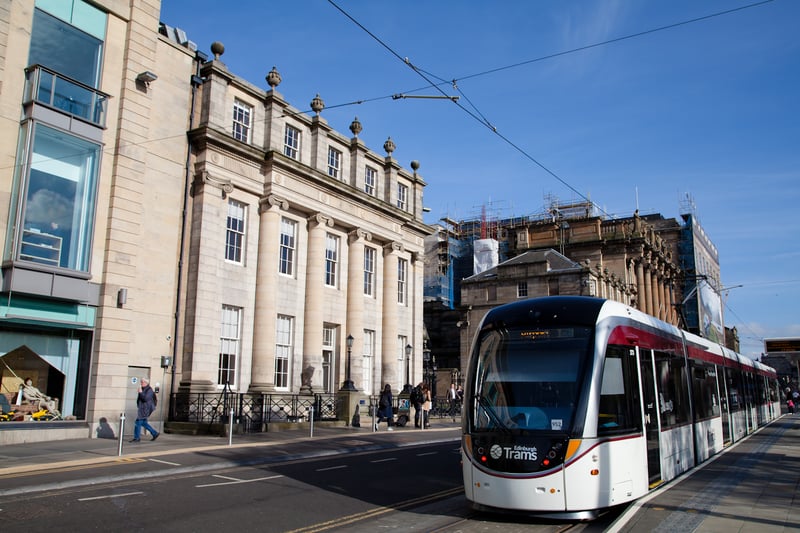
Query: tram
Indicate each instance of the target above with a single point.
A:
(576, 404)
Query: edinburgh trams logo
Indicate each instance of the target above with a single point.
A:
(520, 453)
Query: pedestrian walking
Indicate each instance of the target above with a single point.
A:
(452, 398)
(385, 408)
(146, 403)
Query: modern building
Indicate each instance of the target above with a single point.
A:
(658, 265)
(166, 218)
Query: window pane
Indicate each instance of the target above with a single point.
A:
(241, 121)
(291, 142)
(59, 201)
(283, 348)
(334, 162)
(331, 259)
(234, 238)
(369, 181)
(65, 49)
(369, 270)
(229, 345)
(287, 246)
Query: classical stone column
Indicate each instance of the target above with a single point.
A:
(641, 300)
(648, 289)
(265, 314)
(389, 353)
(354, 324)
(654, 291)
(315, 284)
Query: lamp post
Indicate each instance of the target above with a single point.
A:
(348, 383)
(407, 387)
(429, 360)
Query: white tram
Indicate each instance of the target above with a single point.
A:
(575, 404)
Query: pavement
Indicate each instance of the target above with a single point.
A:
(752, 486)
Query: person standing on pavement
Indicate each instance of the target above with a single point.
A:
(452, 398)
(145, 405)
(385, 408)
(427, 404)
(417, 399)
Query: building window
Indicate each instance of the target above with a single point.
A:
(57, 199)
(370, 178)
(67, 36)
(334, 163)
(369, 351)
(402, 281)
(402, 196)
(288, 243)
(405, 366)
(283, 351)
(331, 260)
(369, 271)
(234, 238)
(491, 293)
(328, 360)
(291, 142)
(241, 121)
(229, 345)
(522, 289)
(67, 39)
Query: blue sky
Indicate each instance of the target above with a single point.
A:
(708, 106)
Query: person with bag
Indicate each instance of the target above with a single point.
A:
(385, 408)
(416, 398)
(146, 403)
(427, 404)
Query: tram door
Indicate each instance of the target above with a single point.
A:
(651, 420)
(722, 383)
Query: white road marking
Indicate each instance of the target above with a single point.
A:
(237, 482)
(331, 468)
(109, 496)
(164, 462)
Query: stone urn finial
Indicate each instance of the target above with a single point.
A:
(317, 104)
(355, 127)
(217, 48)
(273, 78)
(389, 146)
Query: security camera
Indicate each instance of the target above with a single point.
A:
(169, 338)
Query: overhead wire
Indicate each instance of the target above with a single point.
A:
(479, 117)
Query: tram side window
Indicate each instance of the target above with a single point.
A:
(704, 389)
(673, 396)
(620, 410)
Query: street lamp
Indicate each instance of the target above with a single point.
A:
(348, 383)
(407, 387)
(429, 361)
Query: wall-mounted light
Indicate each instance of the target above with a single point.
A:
(146, 78)
(122, 297)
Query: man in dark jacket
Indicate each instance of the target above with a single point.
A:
(146, 404)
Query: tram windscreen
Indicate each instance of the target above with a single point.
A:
(529, 379)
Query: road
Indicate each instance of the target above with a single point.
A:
(415, 488)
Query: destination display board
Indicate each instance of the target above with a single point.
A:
(782, 345)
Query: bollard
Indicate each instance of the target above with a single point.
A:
(121, 433)
(311, 420)
(230, 428)
(374, 414)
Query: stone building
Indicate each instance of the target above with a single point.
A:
(301, 237)
(243, 254)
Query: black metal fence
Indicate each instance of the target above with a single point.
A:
(254, 411)
(251, 411)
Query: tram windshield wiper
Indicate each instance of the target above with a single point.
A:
(489, 410)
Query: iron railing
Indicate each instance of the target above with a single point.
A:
(58, 91)
(251, 411)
